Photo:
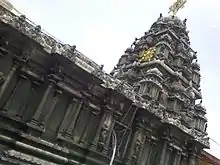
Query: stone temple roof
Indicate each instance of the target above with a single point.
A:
(52, 45)
(171, 20)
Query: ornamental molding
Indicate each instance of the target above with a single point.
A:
(52, 45)
(27, 158)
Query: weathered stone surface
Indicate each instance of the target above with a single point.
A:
(140, 101)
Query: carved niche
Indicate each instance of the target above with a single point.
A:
(137, 145)
(163, 50)
(176, 85)
(186, 119)
(196, 77)
(163, 98)
(105, 130)
(151, 86)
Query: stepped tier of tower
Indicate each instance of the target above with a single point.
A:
(162, 67)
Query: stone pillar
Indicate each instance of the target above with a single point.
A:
(198, 158)
(184, 159)
(177, 158)
(108, 138)
(71, 127)
(163, 154)
(147, 151)
(25, 113)
(104, 131)
(192, 159)
(152, 146)
(127, 144)
(39, 111)
(168, 155)
(4, 88)
(137, 144)
(87, 129)
(20, 111)
(50, 111)
(140, 156)
(192, 154)
(68, 116)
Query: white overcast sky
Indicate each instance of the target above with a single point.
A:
(103, 29)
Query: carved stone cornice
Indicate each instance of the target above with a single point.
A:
(27, 158)
(39, 151)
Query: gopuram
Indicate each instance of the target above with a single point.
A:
(58, 107)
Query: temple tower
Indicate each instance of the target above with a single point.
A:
(163, 69)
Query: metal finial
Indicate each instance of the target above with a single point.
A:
(177, 5)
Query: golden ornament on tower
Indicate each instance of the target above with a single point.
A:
(177, 5)
(147, 55)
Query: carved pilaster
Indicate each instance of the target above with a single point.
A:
(198, 158)
(19, 112)
(152, 146)
(141, 148)
(146, 151)
(137, 144)
(70, 129)
(168, 155)
(192, 154)
(128, 137)
(37, 118)
(68, 116)
(192, 159)
(177, 158)
(38, 113)
(103, 134)
(184, 159)
(34, 86)
(108, 135)
(57, 94)
(88, 127)
(7, 82)
(163, 154)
